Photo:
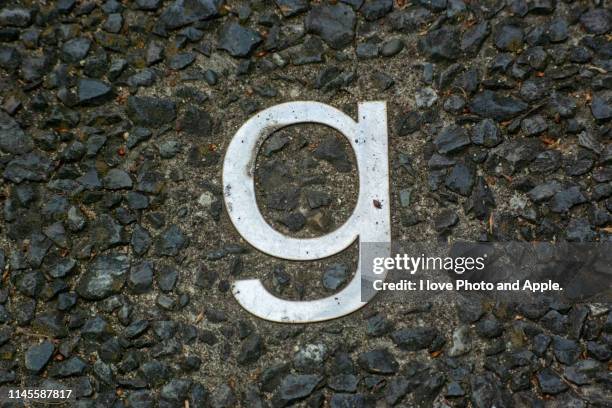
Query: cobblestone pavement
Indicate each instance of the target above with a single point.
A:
(118, 256)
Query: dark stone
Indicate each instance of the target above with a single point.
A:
(550, 382)
(509, 38)
(117, 179)
(149, 111)
(141, 277)
(451, 139)
(251, 349)
(601, 105)
(294, 221)
(445, 220)
(378, 361)
(460, 180)
(68, 368)
(335, 276)
(375, 9)
(104, 276)
(487, 391)
(566, 351)
(295, 387)
(317, 199)
(396, 389)
(564, 200)
(391, 47)
(37, 356)
(496, 106)
(596, 21)
(144, 78)
(409, 123)
(16, 17)
(482, 200)
(472, 39)
(580, 230)
(167, 277)
(176, 390)
(441, 44)
(12, 138)
(489, 327)
(534, 125)
(332, 150)
(196, 122)
(30, 283)
(237, 40)
(184, 12)
(414, 339)
(31, 167)
(284, 199)
(171, 241)
(76, 49)
(335, 24)
(181, 60)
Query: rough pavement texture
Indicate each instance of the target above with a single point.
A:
(118, 258)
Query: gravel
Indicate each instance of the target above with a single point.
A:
(118, 257)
